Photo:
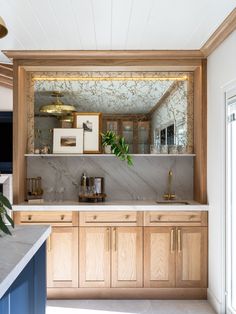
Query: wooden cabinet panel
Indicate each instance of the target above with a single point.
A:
(62, 257)
(191, 262)
(120, 218)
(177, 218)
(159, 257)
(127, 255)
(94, 257)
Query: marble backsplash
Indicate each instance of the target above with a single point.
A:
(146, 180)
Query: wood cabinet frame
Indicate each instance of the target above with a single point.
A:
(110, 61)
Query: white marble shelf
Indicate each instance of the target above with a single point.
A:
(135, 205)
(17, 250)
(108, 155)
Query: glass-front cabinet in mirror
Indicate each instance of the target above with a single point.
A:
(153, 111)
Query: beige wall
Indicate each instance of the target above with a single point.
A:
(221, 72)
(6, 99)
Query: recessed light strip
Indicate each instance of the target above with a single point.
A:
(46, 78)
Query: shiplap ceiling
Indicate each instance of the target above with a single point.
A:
(110, 24)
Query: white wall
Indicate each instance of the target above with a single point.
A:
(6, 99)
(221, 71)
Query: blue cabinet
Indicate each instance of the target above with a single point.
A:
(27, 295)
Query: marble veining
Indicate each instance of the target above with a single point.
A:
(17, 250)
(146, 180)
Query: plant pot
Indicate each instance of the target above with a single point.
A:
(107, 149)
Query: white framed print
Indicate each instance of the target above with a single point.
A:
(91, 122)
(68, 141)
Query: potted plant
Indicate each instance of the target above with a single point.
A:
(117, 146)
(4, 205)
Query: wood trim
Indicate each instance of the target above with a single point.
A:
(19, 133)
(128, 293)
(221, 33)
(102, 54)
(6, 80)
(200, 133)
(6, 85)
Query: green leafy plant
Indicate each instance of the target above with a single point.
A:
(118, 146)
(4, 204)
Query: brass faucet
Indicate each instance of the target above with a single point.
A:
(169, 195)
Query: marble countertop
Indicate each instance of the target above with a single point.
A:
(135, 205)
(17, 250)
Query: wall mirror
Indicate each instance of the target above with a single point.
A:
(152, 110)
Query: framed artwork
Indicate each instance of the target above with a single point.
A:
(91, 123)
(68, 141)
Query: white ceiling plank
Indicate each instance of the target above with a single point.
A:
(111, 24)
(140, 12)
(85, 21)
(102, 23)
(121, 10)
(66, 23)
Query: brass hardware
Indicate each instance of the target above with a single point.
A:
(169, 195)
(159, 217)
(29, 217)
(108, 239)
(49, 243)
(62, 217)
(172, 248)
(94, 217)
(179, 240)
(191, 217)
(127, 217)
(115, 239)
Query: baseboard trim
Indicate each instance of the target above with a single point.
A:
(215, 303)
(128, 293)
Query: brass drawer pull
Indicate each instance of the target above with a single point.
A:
(172, 247)
(192, 217)
(179, 240)
(108, 239)
(115, 238)
(62, 217)
(29, 217)
(94, 217)
(127, 216)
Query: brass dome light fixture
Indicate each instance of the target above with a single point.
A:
(57, 107)
(3, 28)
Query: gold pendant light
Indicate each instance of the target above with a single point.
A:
(57, 108)
(3, 28)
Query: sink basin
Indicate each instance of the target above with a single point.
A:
(172, 202)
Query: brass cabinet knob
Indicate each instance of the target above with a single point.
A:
(94, 217)
(126, 216)
(62, 217)
(29, 217)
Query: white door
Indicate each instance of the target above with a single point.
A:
(231, 202)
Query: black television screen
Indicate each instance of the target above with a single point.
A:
(6, 137)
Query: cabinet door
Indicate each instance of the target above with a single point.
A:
(94, 257)
(159, 257)
(191, 261)
(62, 257)
(127, 256)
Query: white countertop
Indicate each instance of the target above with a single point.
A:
(17, 250)
(144, 205)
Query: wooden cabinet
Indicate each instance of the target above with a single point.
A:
(62, 257)
(159, 257)
(110, 257)
(175, 257)
(191, 259)
(94, 257)
(127, 256)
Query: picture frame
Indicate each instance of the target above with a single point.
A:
(91, 122)
(68, 141)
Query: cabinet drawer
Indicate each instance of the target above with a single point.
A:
(182, 218)
(111, 218)
(55, 218)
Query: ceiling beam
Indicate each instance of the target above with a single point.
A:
(221, 33)
(103, 54)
